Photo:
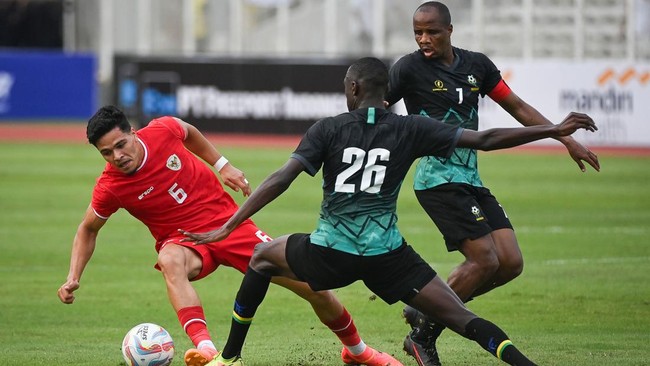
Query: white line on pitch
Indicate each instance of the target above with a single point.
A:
(626, 230)
(561, 262)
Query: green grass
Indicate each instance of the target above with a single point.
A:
(583, 299)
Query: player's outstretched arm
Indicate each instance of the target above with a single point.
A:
(83, 247)
(271, 188)
(529, 116)
(502, 138)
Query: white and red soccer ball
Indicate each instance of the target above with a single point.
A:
(148, 344)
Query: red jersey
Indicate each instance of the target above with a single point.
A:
(172, 189)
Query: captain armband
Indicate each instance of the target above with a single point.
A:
(500, 91)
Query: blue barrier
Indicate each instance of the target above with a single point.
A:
(47, 85)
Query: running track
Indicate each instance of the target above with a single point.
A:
(76, 133)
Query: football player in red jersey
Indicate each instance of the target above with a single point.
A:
(155, 175)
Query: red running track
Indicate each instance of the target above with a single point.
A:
(76, 133)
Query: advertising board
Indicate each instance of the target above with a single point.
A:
(232, 95)
(615, 94)
(47, 85)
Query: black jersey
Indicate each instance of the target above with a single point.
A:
(365, 155)
(449, 94)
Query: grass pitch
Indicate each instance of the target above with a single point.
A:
(583, 299)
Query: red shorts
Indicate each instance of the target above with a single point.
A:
(234, 251)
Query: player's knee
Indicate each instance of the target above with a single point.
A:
(169, 262)
(481, 255)
(487, 263)
(511, 268)
(260, 260)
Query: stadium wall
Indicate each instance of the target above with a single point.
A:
(285, 96)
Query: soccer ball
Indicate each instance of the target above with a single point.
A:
(148, 344)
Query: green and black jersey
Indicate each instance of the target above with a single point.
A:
(365, 155)
(449, 94)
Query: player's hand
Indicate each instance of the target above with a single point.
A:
(66, 291)
(575, 121)
(204, 238)
(580, 153)
(235, 179)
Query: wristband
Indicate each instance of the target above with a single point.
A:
(220, 163)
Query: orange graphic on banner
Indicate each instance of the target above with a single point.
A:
(623, 77)
(506, 75)
(644, 78)
(605, 76)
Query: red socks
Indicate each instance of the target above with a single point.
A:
(192, 320)
(345, 329)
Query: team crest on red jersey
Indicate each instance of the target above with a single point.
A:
(173, 162)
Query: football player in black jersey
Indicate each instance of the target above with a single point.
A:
(444, 83)
(365, 155)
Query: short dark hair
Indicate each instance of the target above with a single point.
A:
(371, 72)
(443, 10)
(104, 121)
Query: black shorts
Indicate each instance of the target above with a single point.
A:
(394, 276)
(462, 211)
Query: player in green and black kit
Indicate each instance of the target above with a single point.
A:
(445, 82)
(365, 155)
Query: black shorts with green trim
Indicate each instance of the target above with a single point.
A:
(393, 276)
(461, 211)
